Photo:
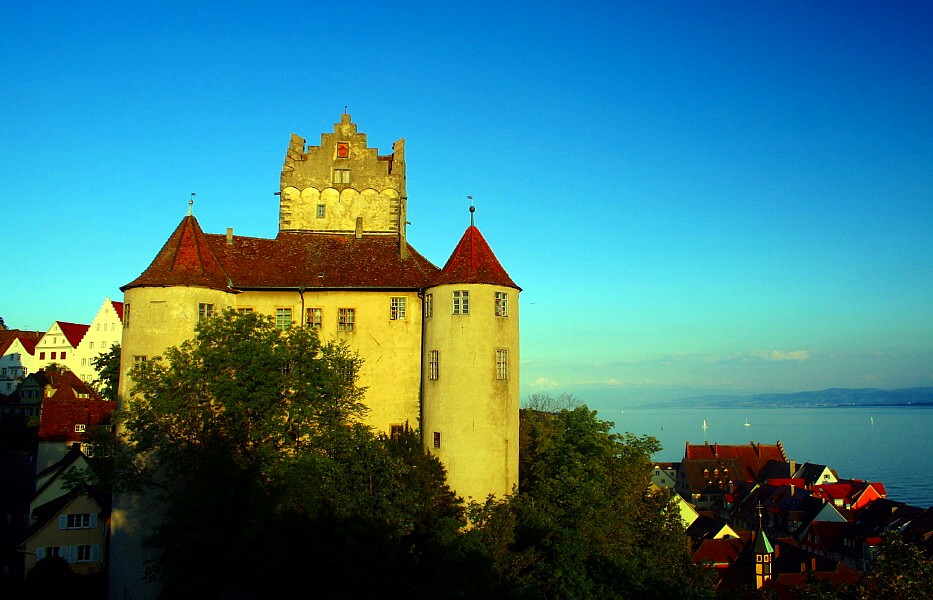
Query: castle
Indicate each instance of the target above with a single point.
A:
(440, 346)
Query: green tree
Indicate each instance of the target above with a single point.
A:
(107, 365)
(252, 438)
(2, 324)
(585, 524)
(900, 571)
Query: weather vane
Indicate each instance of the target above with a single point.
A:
(191, 204)
(472, 209)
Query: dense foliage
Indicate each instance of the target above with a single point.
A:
(586, 524)
(107, 365)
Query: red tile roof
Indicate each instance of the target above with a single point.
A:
(74, 332)
(28, 339)
(752, 456)
(291, 260)
(64, 408)
(473, 261)
(118, 307)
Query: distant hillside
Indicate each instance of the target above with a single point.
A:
(920, 396)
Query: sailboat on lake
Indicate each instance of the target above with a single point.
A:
(747, 424)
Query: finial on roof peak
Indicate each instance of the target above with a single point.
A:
(472, 209)
(191, 204)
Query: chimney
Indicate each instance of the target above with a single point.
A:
(229, 236)
(359, 227)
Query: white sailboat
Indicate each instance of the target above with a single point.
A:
(705, 426)
(747, 424)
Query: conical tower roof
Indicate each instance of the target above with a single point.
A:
(473, 261)
(185, 259)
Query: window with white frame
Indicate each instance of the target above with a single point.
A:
(346, 319)
(80, 428)
(77, 521)
(502, 363)
(428, 305)
(502, 304)
(314, 316)
(320, 211)
(139, 359)
(461, 302)
(397, 308)
(205, 311)
(84, 553)
(283, 318)
(433, 365)
(341, 175)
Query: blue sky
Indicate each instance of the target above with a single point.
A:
(696, 198)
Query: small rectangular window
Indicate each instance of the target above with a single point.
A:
(80, 428)
(397, 308)
(126, 315)
(314, 316)
(139, 359)
(346, 319)
(502, 304)
(437, 439)
(84, 553)
(244, 310)
(428, 305)
(502, 363)
(205, 311)
(433, 364)
(341, 175)
(461, 302)
(92, 345)
(54, 354)
(396, 431)
(42, 356)
(283, 318)
(63, 355)
(78, 521)
(320, 211)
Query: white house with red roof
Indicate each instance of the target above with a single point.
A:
(17, 357)
(59, 343)
(104, 332)
(440, 347)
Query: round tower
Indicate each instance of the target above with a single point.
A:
(470, 380)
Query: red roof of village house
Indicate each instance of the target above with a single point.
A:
(752, 456)
(64, 408)
(473, 261)
(74, 332)
(291, 260)
(28, 339)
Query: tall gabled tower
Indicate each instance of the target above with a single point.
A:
(343, 186)
(470, 370)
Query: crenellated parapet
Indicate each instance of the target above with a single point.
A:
(342, 185)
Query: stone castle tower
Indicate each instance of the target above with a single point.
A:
(440, 346)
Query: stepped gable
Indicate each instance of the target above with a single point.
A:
(74, 332)
(473, 261)
(186, 259)
(118, 307)
(752, 456)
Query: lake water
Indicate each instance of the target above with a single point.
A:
(893, 445)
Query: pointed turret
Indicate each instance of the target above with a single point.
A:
(473, 261)
(186, 259)
(470, 376)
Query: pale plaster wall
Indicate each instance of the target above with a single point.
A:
(54, 341)
(105, 331)
(50, 535)
(475, 413)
